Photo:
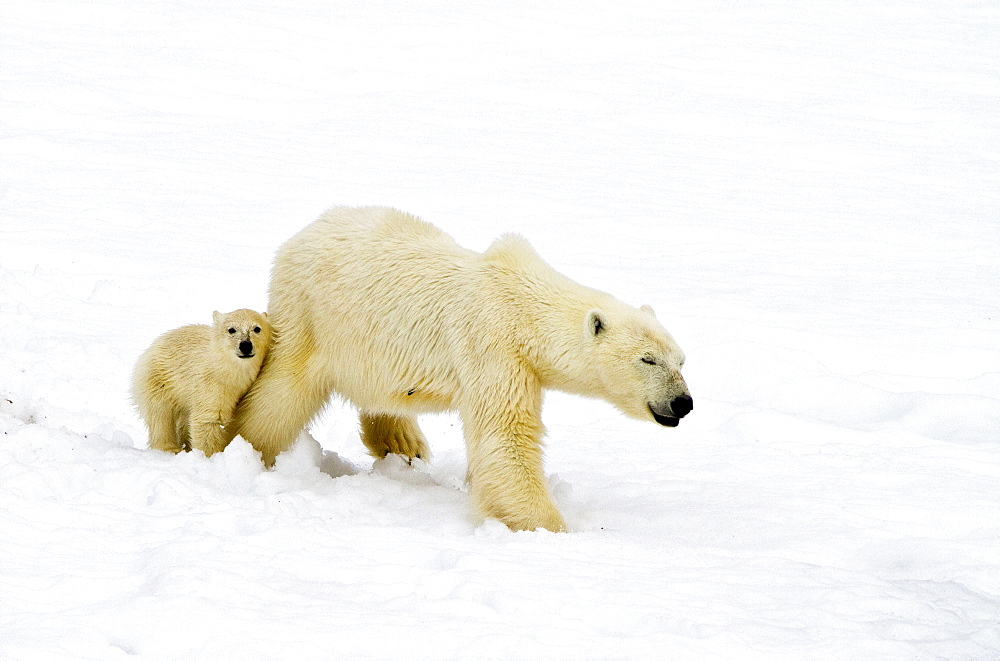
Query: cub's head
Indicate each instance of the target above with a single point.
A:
(245, 332)
(637, 363)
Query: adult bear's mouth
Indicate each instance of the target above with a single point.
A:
(665, 420)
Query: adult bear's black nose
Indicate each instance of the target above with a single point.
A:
(246, 348)
(681, 406)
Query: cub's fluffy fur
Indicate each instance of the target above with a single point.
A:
(187, 384)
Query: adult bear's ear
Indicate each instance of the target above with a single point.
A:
(648, 310)
(595, 324)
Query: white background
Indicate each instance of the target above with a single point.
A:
(807, 193)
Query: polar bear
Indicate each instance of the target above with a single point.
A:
(187, 383)
(387, 311)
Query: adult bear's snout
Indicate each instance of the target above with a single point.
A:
(681, 406)
(669, 415)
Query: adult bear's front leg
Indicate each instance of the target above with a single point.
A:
(503, 432)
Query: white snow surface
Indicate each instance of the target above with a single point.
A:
(807, 193)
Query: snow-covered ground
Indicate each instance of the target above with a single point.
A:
(807, 193)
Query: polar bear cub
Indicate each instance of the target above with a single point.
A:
(187, 383)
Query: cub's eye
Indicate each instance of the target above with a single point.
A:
(232, 330)
(649, 360)
(256, 329)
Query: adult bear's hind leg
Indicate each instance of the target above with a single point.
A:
(287, 394)
(386, 434)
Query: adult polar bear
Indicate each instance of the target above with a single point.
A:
(389, 312)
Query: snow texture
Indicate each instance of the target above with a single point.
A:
(807, 193)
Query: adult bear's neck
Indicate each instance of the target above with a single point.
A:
(545, 313)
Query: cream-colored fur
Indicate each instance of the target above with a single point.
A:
(389, 312)
(187, 383)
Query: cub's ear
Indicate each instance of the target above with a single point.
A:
(217, 317)
(596, 325)
(648, 310)
(263, 314)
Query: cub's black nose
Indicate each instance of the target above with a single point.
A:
(246, 348)
(682, 405)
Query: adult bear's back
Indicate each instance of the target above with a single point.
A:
(378, 297)
(371, 247)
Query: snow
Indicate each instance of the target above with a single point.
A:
(806, 193)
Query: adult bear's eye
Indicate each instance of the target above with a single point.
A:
(649, 360)
(232, 330)
(256, 329)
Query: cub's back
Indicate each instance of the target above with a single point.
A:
(174, 361)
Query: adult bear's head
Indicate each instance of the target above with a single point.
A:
(638, 364)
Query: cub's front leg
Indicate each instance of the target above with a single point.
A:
(207, 432)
